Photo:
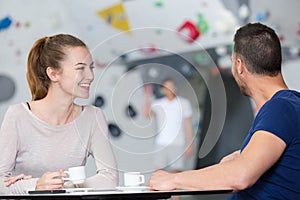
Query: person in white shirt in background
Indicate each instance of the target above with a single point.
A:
(173, 115)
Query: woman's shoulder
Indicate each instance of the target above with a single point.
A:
(15, 111)
(16, 108)
(92, 108)
(93, 115)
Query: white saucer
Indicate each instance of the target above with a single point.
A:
(79, 189)
(132, 188)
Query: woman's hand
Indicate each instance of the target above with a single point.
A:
(11, 180)
(161, 180)
(51, 181)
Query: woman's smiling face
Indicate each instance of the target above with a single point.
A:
(76, 72)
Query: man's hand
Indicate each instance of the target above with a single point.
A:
(161, 180)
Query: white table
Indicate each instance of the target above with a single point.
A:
(113, 195)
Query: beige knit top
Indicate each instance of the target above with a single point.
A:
(31, 146)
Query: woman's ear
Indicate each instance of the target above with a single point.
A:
(52, 74)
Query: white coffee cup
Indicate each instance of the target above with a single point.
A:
(133, 179)
(76, 175)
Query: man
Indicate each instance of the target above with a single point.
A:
(268, 164)
(174, 127)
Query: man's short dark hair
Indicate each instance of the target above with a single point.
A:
(259, 47)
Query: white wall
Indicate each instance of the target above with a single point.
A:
(151, 25)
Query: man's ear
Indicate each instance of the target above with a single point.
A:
(52, 74)
(240, 66)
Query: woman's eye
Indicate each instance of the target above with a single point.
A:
(80, 68)
(92, 67)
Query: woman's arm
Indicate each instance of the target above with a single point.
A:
(9, 149)
(49, 180)
(101, 150)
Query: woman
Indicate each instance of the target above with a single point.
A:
(51, 133)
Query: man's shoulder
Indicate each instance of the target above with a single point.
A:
(285, 98)
(183, 100)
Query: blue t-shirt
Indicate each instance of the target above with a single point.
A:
(280, 116)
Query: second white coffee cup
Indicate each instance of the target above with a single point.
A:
(133, 179)
(76, 175)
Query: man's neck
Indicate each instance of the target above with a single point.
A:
(171, 98)
(265, 87)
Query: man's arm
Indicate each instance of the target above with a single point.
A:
(261, 153)
(231, 156)
(189, 136)
(147, 107)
